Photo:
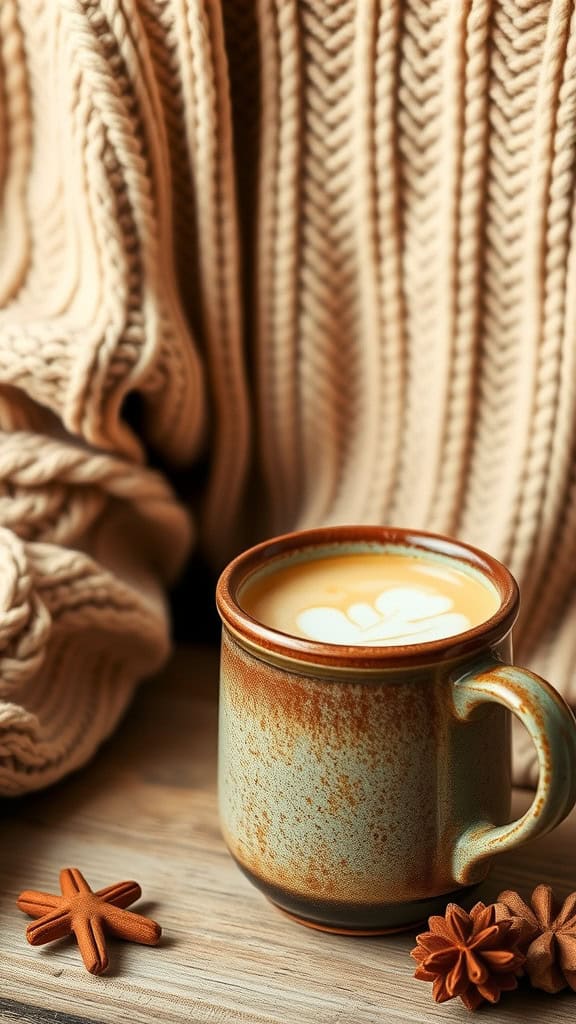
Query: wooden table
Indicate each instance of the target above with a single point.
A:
(146, 809)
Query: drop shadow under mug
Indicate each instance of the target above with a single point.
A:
(361, 788)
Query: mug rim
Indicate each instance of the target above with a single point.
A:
(267, 640)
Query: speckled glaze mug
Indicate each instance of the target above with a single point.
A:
(361, 788)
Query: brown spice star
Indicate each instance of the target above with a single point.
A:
(473, 956)
(87, 915)
(546, 932)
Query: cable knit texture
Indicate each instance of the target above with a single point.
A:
(330, 247)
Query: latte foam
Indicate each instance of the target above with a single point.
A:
(373, 599)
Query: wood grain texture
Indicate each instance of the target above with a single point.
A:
(12, 1011)
(146, 809)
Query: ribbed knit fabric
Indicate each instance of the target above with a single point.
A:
(330, 245)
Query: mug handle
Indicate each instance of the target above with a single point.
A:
(552, 727)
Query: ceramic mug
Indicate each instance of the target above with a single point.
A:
(362, 788)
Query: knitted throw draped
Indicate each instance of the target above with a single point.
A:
(331, 246)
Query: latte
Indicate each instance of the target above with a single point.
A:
(373, 599)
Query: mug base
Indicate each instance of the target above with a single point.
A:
(358, 933)
(339, 917)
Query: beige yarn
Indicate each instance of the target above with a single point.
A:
(331, 246)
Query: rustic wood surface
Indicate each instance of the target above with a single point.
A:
(145, 808)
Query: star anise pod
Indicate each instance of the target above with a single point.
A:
(546, 932)
(473, 956)
(87, 915)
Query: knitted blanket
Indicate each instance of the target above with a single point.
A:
(324, 247)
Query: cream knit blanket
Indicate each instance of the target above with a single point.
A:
(327, 245)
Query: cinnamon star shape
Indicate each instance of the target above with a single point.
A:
(87, 915)
(473, 956)
(546, 932)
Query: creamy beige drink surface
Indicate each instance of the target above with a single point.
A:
(373, 599)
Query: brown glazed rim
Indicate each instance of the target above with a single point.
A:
(274, 642)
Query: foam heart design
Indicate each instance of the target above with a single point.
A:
(399, 615)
